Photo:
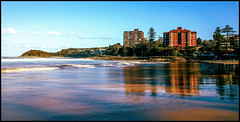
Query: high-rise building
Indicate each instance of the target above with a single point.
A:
(132, 37)
(180, 38)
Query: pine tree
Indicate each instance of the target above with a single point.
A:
(152, 34)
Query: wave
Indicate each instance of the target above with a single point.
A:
(28, 69)
(75, 66)
(44, 59)
(66, 66)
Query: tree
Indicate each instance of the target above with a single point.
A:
(228, 30)
(160, 41)
(124, 50)
(152, 34)
(218, 30)
(217, 48)
(199, 41)
(211, 42)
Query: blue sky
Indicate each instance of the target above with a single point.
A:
(52, 26)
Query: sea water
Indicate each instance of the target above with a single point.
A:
(79, 89)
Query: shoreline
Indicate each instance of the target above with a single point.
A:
(221, 61)
(162, 59)
(141, 59)
(171, 59)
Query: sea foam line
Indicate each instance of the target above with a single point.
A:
(28, 69)
(44, 59)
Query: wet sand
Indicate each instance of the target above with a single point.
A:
(202, 114)
(146, 92)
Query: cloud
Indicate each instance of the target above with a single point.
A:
(9, 31)
(104, 38)
(53, 33)
(84, 37)
(71, 33)
(12, 31)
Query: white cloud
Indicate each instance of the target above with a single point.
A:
(71, 33)
(84, 37)
(53, 33)
(9, 31)
(12, 31)
(104, 38)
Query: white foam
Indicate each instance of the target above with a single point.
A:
(107, 65)
(44, 59)
(28, 69)
(83, 65)
(155, 62)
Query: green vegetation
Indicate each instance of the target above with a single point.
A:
(144, 49)
(150, 48)
(228, 30)
(71, 52)
(152, 34)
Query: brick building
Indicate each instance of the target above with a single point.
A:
(132, 37)
(180, 38)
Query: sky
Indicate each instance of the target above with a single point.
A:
(54, 25)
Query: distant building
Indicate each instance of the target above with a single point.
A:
(229, 42)
(235, 43)
(132, 37)
(180, 38)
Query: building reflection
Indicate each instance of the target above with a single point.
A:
(183, 79)
(141, 80)
(174, 78)
(227, 79)
(134, 83)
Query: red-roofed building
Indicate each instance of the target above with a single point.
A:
(180, 38)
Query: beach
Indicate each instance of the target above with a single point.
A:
(106, 90)
(162, 59)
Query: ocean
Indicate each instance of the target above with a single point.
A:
(76, 89)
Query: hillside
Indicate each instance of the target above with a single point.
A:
(71, 52)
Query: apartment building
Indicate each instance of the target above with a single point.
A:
(180, 38)
(132, 37)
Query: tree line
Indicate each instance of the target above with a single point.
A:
(71, 52)
(216, 45)
(148, 47)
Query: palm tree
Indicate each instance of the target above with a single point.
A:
(228, 30)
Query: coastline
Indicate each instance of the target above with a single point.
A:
(171, 59)
(141, 59)
(221, 61)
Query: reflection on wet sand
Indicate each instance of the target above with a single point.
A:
(179, 79)
(226, 78)
(142, 92)
(137, 81)
(183, 79)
